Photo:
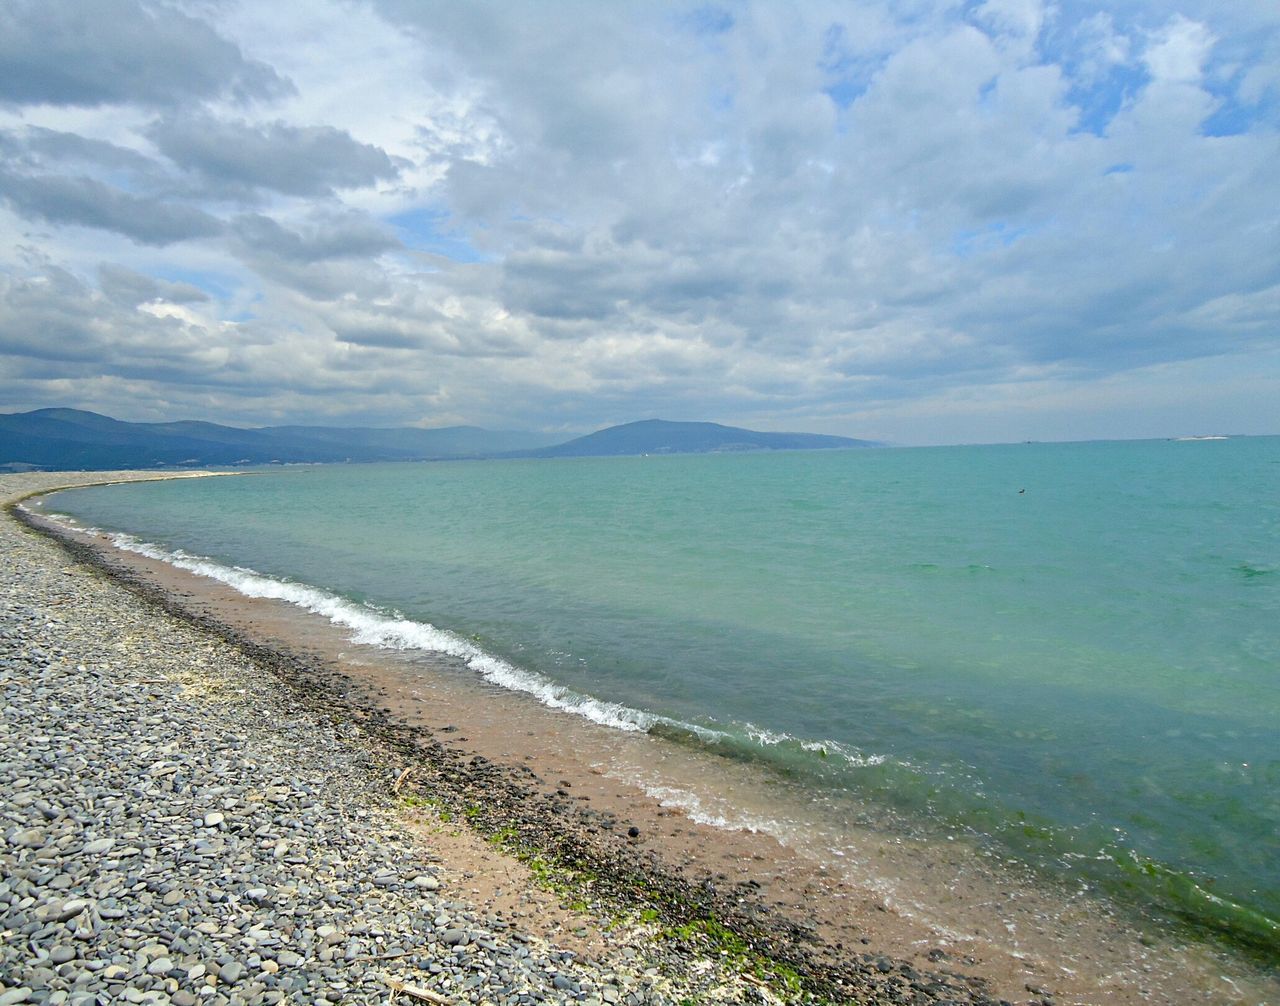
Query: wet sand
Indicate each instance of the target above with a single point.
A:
(848, 893)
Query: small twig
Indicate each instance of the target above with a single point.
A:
(381, 957)
(416, 991)
(401, 780)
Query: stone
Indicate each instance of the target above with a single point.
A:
(69, 910)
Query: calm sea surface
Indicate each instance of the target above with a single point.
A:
(1070, 650)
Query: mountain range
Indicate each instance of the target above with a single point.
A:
(74, 439)
(661, 436)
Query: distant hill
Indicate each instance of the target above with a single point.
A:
(73, 439)
(659, 436)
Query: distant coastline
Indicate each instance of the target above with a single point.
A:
(74, 440)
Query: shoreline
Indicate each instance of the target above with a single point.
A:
(698, 944)
(537, 821)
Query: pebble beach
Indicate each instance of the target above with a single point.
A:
(177, 831)
(182, 822)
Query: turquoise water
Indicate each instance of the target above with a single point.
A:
(1087, 672)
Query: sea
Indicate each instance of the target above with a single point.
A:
(1068, 653)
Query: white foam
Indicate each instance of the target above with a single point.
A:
(851, 755)
(772, 738)
(371, 626)
(693, 808)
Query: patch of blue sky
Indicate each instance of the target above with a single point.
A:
(1100, 102)
(705, 25)
(845, 92)
(1122, 168)
(122, 181)
(216, 285)
(708, 19)
(721, 100)
(430, 231)
(1231, 119)
(848, 73)
(979, 240)
(1234, 117)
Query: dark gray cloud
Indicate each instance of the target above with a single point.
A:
(327, 235)
(99, 52)
(36, 146)
(48, 317)
(86, 202)
(129, 289)
(295, 160)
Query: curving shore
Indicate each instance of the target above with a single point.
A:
(190, 817)
(211, 798)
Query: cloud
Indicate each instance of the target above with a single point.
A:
(516, 214)
(1100, 47)
(51, 146)
(1178, 51)
(294, 160)
(128, 288)
(328, 235)
(99, 52)
(86, 202)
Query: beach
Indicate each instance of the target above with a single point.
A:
(211, 798)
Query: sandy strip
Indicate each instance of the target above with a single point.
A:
(554, 787)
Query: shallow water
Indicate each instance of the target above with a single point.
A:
(1085, 672)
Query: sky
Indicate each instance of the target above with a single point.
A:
(917, 221)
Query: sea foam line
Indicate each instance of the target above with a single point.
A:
(371, 626)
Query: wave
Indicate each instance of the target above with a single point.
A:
(696, 809)
(374, 626)
(371, 625)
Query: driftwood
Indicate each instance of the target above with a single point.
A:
(414, 991)
(401, 780)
